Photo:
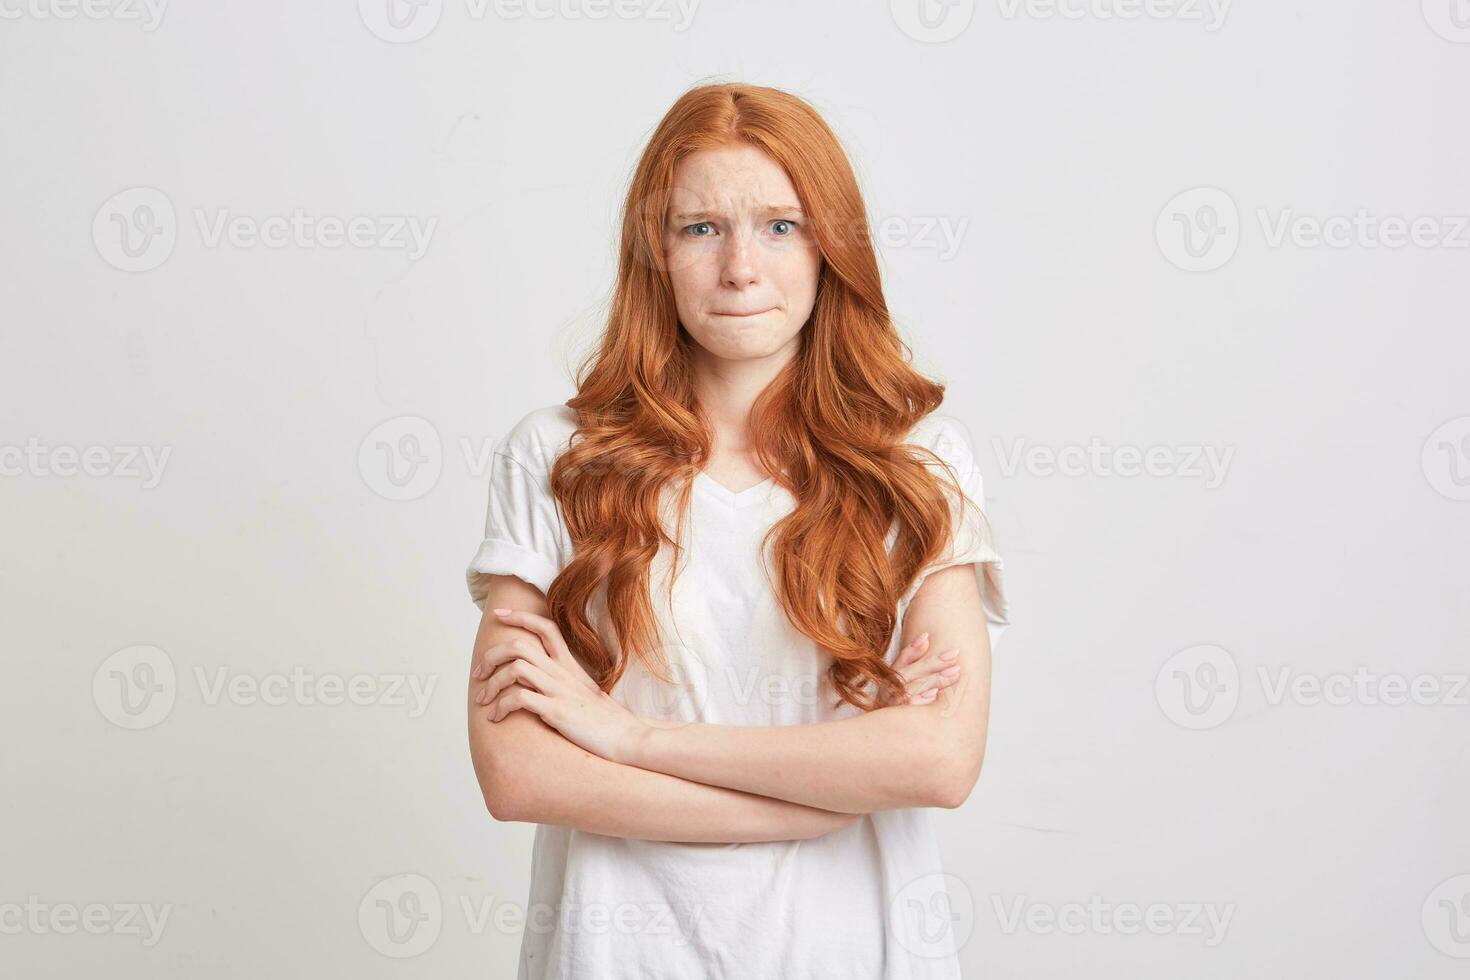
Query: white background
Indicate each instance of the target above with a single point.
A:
(1054, 149)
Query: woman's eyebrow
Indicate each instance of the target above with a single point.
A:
(705, 215)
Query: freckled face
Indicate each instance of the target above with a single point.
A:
(743, 263)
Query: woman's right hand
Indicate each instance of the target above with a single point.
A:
(924, 671)
(552, 642)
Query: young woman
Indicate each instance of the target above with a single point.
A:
(739, 594)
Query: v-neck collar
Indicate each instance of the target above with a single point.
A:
(743, 498)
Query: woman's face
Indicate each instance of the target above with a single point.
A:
(743, 262)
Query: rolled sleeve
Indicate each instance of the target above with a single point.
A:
(524, 533)
(973, 538)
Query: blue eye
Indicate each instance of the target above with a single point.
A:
(783, 221)
(699, 224)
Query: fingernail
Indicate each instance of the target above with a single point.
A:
(950, 671)
(949, 655)
(501, 612)
(923, 639)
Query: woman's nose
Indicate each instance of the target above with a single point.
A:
(739, 266)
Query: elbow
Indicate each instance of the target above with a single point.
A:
(953, 783)
(507, 800)
(507, 787)
(502, 806)
(508, 761)
(504, 813)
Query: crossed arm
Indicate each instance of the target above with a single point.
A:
(701, 782)
(528, 771)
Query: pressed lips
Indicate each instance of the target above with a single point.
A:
(751, 313)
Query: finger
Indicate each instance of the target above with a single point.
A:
(926, 698)
(906, 677)
(502, 653)
(934, 662)
(937, 660)
(517, 698)
(935, 679)
(912, 652)
(519, 647)
(545, 628)
(909, 665)
(935, 685)
(516, 672)
(551, 639)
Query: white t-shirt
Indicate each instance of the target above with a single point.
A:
(868, 901)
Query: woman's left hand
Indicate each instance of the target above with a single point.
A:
(584, 714)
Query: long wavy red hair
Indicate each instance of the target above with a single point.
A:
(829, 428)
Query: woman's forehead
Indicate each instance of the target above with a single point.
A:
(738, 174)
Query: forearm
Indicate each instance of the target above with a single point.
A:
(529, 772)
(897, 756)
(879, 760)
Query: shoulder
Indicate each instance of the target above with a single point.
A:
(948, 438)
(539, 436)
